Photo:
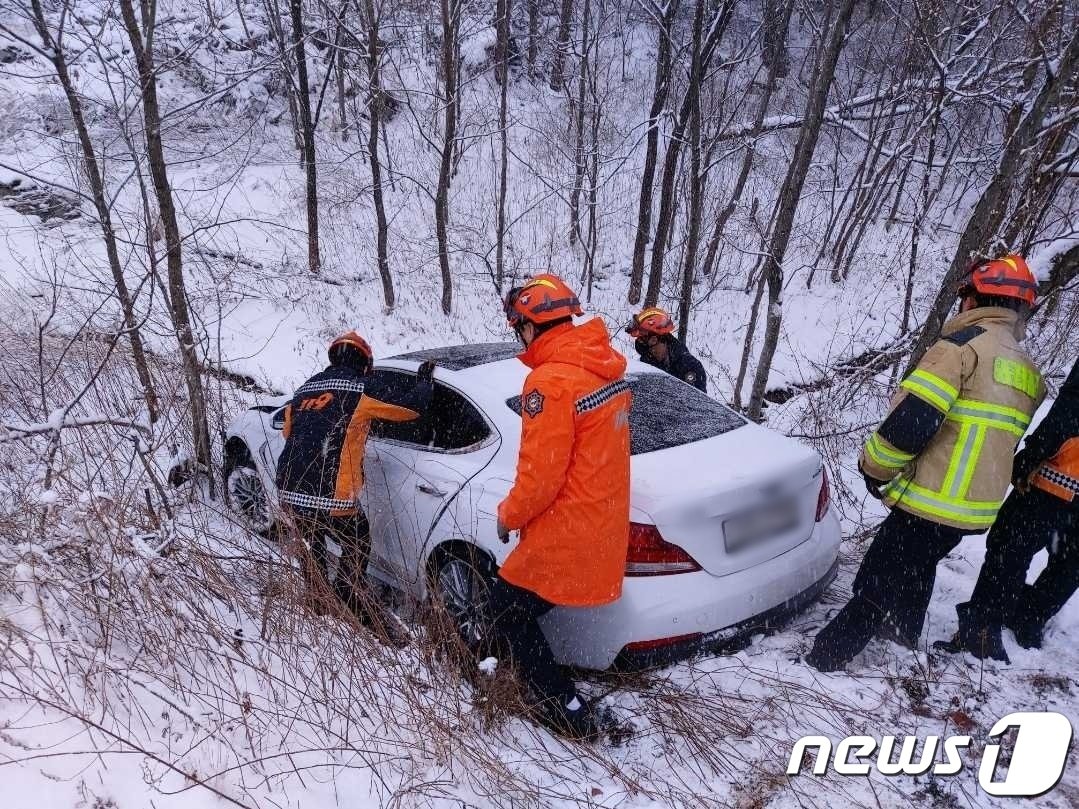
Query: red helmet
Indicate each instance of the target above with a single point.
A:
(1005, 277)
(651, 321)
(350, 346)
(543, 299)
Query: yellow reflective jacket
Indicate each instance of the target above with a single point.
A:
(946, 447)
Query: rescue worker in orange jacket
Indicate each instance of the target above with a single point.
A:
(941, 458)
(1041, 512)
(320, 470)
(570, 498)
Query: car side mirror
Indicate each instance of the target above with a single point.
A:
(277, 421)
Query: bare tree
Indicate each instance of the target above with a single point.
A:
(142, 42)
(787, 206)
(989, 212)
(502, 73)
(307, 131)
(665, 15)
(451, 30)
(561, 47)
(94, 176)
(375, 102)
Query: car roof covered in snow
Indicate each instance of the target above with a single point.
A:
(462, 357)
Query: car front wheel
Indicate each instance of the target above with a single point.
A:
(461, 585)
(247, 494)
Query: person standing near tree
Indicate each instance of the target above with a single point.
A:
(941, 459)
(570, 496)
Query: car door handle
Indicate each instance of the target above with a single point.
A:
(429, 488)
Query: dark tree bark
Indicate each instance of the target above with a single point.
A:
(580, 165)
(451, 18)
(374, 111)
(561, 48)
(101, 205)
(717, 24)
(696, 180)
(503, 71)
(989, 212)
(751, 151)
(660, 91)
(787, 205)
(774, 35)
(307, 131)
(533, 36)
(155, 148)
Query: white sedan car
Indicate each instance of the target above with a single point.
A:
(731, 525)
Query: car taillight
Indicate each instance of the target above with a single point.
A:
(825, 496)
(651, 555)
(660, 643)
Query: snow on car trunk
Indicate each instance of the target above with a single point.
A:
(732, 494)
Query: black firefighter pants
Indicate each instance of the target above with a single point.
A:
(893, 585)
(353, 535)
(516, 612)
(1027, 523)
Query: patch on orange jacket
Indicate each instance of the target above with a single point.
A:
(532, 403)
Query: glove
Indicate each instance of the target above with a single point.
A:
(503, 532)
(1023, 466)
(872, 485)
(426, 371)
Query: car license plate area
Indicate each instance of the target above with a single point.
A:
(751, 527)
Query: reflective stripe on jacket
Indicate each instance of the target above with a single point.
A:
(326, 428)
(977, 389)
(570, 498)
(1060, 474)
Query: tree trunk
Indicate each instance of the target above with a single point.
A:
(579, 162)
(651, 148)
(503, 68)
(989, 211)
(104, 215)
(717, 24)
(307, 126)
(561, 47)
(788, 197)
(751, 151)
(774, 34)
(696, 180)
(533, 36)
(155, 148)
(451, 10)
(374, 112)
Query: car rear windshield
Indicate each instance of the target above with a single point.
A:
(667, 412)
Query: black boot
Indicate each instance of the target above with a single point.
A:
(845, 635)
(572, 718)
(978, 634)
(1026, 622)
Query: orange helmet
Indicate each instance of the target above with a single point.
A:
(651, 321)
(543, 299)
(1005, 277)
(350, 346)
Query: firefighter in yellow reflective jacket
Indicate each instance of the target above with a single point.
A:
(941, 460)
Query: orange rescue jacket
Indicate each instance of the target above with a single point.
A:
(570, 498)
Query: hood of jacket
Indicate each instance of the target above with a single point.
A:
(586, 346)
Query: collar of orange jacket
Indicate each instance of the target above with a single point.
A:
(586, 346)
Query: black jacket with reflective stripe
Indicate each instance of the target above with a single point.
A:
(680, 363)
(326, 427)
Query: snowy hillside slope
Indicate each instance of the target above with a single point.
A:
(154, 653)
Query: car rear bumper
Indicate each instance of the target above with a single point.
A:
(705, 611)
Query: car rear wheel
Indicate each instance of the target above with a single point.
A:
(247, 494)
(461, 585)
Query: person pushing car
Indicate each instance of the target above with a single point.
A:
(570, 497)
(320, 471)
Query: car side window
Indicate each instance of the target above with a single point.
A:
(450, 423)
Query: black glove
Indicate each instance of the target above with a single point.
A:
(872, 485)
(426, 371)
(1023, 466)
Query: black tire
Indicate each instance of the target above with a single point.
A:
(246, 492)
(460, 583)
